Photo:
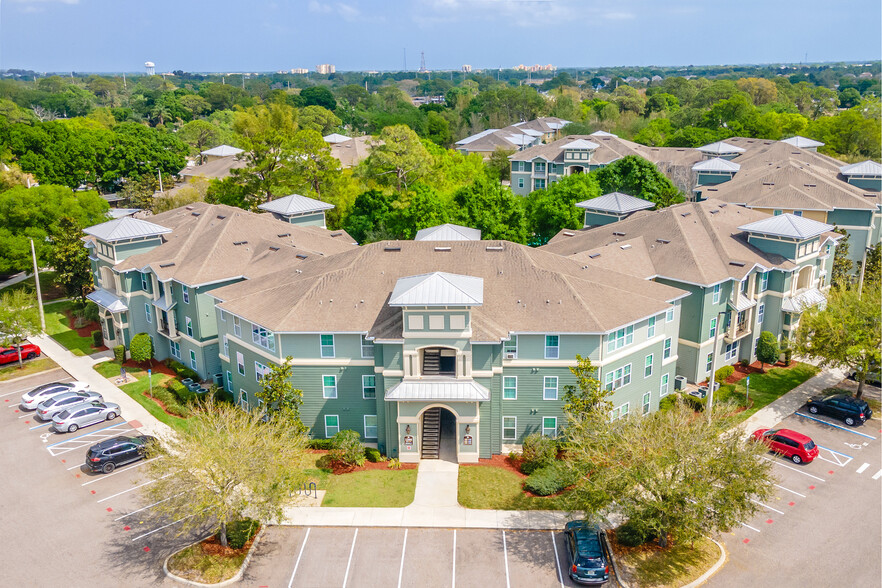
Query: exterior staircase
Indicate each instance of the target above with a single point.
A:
(431, 445)
(431, 363)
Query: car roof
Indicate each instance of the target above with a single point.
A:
(791, 434)
(113, 442)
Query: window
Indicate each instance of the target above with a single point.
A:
(664, 384)
(369, 386)
(185, 292)
(669, 316)
(367, 347)
(760, 314)
(415, 322)
(731, 351)
(240, 364)
(618, 378)
(540, 166)
(457, 322)
(175, 349)
(647, 399)
(710, 362)
(520, 182)
(549, 426)
(260, 371)
(509, 428)
(620, 338)
(329, 386)
(650, 327)
(552, 346)
(226, 346)
(332, 425)
(797, 213)
(193, 359)
(229, 382)
(263, 337)
(145, 282)
(764, 282)
(189, 324)
(243, 399)
(744, 286)
(327, 344)
(370, 426)
(827, 249)
(717, 290)
(148, 312)
(666, 353)
(822, 277)
(538, 184)
(647, 366)
(436, 322)
(510, 348)
(549, 388)
(713, 327)
(223, 316)
(237, 327)
(510, 388)
(620, 411)
(777, 212)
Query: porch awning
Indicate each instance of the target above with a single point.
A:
(438, 389)
(110, 302)
(162, 304)
(802, 301)
(743, 303)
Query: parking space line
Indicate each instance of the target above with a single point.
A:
(105, 476)
(297, 564)
(87, 434)
(505, 557)
(794, 469)
(40, 426)
(861, 469)
(877, 475)
(766, 506)
(169, 525)
(130, 489)
(26, 415)
(823, 422)
(453, 576)
(79, 465)
(789, 490)
(751, 528)
(349, 563)
(146, 507)
(401, 568)
(556, 559)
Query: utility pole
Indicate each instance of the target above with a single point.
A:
(710, 382)
(160, 179)
(39, 294)
(125, 87)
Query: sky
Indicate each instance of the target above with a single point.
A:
(271, 35)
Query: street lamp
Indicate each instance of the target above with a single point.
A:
(710, 388)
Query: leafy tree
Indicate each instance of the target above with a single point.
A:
(493, 209)
(845, 333)
(640, 178)
(195, 190)
(319, 96)
(71, 260)
(199, 135)
(498, 164)
(141, 348)
(369, 213)
(398, 159)
(841, 275)
(873, 271)
(139, 192)
(19, 318)
(553, 209)
(849, 97)
(319, 119)
(279, 394)
(312, 164)
(138, 151)
(226, 464)
(588, 395)
(419, 208)
(266, 132)
(438, 129)
(767, 350)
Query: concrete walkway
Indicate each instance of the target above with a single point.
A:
(19, 277)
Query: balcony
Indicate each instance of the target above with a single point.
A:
(740, 331)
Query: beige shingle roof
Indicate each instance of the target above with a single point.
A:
(610, 148)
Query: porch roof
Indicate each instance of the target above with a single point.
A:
(107, 301)
(803, 300)
(438, 388)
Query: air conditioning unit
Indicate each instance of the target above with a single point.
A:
(511, 355)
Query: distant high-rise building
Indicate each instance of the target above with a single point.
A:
(325, 68)
(299, 70)
(467, 68)
(151, 68)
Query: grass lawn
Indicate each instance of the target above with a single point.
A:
(768, 387)
(385, 488)
(48, 289)
(497, 488)
(655, 568)
(30, 367)
(136, 390)
(58, 328)
(193, 564)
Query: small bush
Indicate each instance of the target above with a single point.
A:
(181, 370)
(90, 312)
(538, 451)
(169, 401)
(696, 404)
(394, 464)
(668, 402)
(550, 479)
(348, 448)
(97, 339)
(221, 395)
(744, 363)
(788, 356)
(141, 347)
(119, 354)
(323, 444)
(630, 535)
(373, 454)
(183, 394)
(240, 532)
(724, 373)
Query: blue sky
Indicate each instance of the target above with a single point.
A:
(269, 35)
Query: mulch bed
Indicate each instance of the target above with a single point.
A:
(212, 546)
(742, 371)
(338, 469)
(85, 331)
(157, 366)
(500, 461)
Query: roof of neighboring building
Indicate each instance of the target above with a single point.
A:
(602, 134)
(524, 290)
(214, 169)
(222, 151)
(802, 142)
(717, 164)
(121, 212)
(448, 232)
(350, 153)
(125, 228)
(616, 202)
(335, 138)
(476, 136)
(609, 148)
(864, 168)
(295, 204)
(787, 225)
(438, 289)
(693, 242)
(721, 148)
(803, 300)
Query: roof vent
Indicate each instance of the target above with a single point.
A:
(627, 246)
(569, 233)
(737, 263)
(871, 195)
(714, 211)
(768, 183)
(221, 217)
(190, 207)
(665, 241)
(685, 214)
(593, 255)
(723, 205)
(166, 264)
(391, 248)
(195, 213)
(240, 242)
(617, 234)
(810, 185)
(284, 235)
(299, 271)
(337, 234)
(302, 256)
(494, 247)
(274, 248)
(442, 248)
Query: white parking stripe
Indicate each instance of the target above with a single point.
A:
(130, 489)
(877, 475)
(557, 560)
(861, 469)
(751, 528)
(789, 490)
(169, 525)
(401, 567)
(766, 506)
(26, 415)
(349, 563)
(40, 426)
(147, 507)
(505, 555)
(105, 476)
(297, 564)
(453, 576)
(794, 469)
(88, 434)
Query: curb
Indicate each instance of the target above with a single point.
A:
(232, 580)
(57, 367)
(713, 569)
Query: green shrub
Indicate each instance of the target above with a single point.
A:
(181, 370)
(550, 479)
(373, 454)
(744, 363)
(240, 532)
(86, 314)
(322, 444)
(97, 339)
(348, 448)
(668, 402)
(169, 401)
(630, 535)
(538, 451)
(141, 347)
(119, 354)
(724, 373)
(696, 404)
(183, 394)
(788, 356)
(221, 395)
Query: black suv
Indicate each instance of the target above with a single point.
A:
(841, 406)
(105, 456)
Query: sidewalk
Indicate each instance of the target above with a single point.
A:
(80, 368)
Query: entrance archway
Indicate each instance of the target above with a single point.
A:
(438, 426)
(577, 169)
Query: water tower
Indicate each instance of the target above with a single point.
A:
(151, 68)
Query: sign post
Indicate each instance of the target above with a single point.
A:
(150, 380)
(747, 394)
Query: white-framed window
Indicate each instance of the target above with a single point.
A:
(549, 388)
(368, 386)
(237, 327)
(370, 426)
(669, 315)
(539, 166)
(520, 182)
(713, 327)
(148, 313)
(666, 352)
(145, 282)
(777, 212)
(650, 327)
(647, 400)
(717, 289)
(538, 184)
(226, 346)
(229, 381)
(240, 363)
(509, 428)
(332, 425)
(510, 388)
(175, 349)
(731, 351)
(710, 362)
(263, 337)
(223, 316)
(367, 348)
(822, 277)
(193, 359)
(243, 399)
(552, 346)
(620, 411)
(797, 213)
(760, 314)
(549, 427)
(620, 338)
(764, 281)
(329, 386)
(260, 371)
(647, 366)
(189, 326)
(510, 348)
(327, 345)
(185, 293)
(617, 378)
(664, 384)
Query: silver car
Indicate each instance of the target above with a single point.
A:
(83, 415)
(49, 408)
(30, 400)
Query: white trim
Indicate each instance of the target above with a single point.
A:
(546, 387)
(504, 438)
(376, 426)
(336, 416)
(515, 387)
(363, 387)
(324, 395)
(544, 428)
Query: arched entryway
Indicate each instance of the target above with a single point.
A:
(438, 426)
(577, 169)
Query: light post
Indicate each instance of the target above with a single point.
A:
(710, 388)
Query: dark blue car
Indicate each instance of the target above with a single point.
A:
(588, 564)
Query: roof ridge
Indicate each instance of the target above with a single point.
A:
(686, 240)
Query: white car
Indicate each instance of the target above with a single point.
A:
(49, 408)
(30, 400)
(83, 415)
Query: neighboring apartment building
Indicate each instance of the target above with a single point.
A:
(760, 271)
(516, 137)
(155, 276)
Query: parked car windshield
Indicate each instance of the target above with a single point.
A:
(64, 414)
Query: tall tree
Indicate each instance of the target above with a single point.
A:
(279, 394)
(73, 271)
(19, 318)
(553, 209)
(588, 395)
(312, 164)
(399, 158)
(841, 275)
(640, 178)
(493, 209)
(767, 349)
(266, 132)
(199, 135)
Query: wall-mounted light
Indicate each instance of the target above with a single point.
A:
(468, 429)
(407, 429)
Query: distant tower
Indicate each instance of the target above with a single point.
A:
(423, 62)
(151, 68)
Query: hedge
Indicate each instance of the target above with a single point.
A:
(723, 374)
(373, 454)
(181, 370)
(141, 347)
(240, 532)
(119, 354)
(322, 444)
(538, 451)
(183, 394)
(550, 479)
(169, 401)
(97, 339)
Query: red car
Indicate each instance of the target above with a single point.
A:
(10, 354)
(796, 446)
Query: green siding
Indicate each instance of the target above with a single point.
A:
(784, 248)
